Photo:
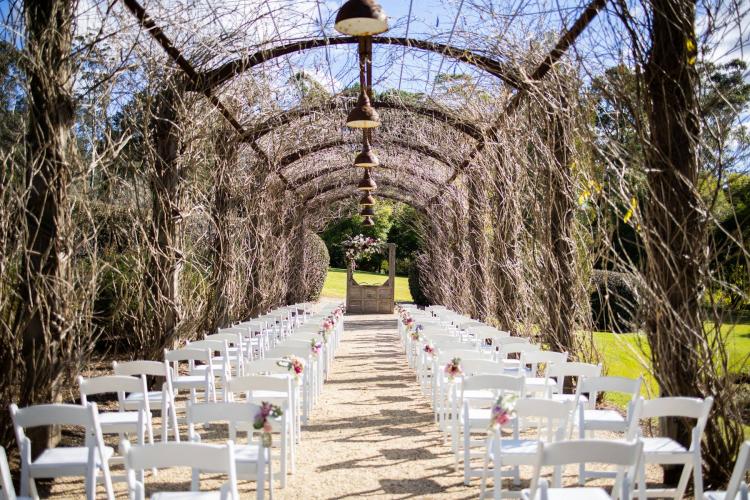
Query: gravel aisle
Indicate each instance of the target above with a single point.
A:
(372, 433)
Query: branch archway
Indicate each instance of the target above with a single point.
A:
(210, 79)
(334, 104)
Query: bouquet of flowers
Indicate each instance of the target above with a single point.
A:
(453, 369)
(338, 313)
(360, 247)
(415, 335)
(293, 364)
(409, 323)
(315, 347)
(502, 411)
(261, 422)
(429, 349)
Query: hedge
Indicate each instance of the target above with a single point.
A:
(416, 284)
(316, 266)
(614, 301)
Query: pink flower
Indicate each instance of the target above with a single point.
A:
(267, 427)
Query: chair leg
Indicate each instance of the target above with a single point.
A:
(698, 477)
(91, 482)
(483, 483)
(682, 485)
(107, 482)
(497, 486)
(173, 416)
(467, 454)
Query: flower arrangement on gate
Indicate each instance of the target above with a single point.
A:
(315, 347)
(415, 335)
(295, 366)
(262, 423)
(338, 313)
(453, 369)
(429, 349)
(503, 411)
(361, 247)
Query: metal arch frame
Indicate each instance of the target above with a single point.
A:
(301, 153)
(212, 78)
(296, 113)
(313, 203)
(312, 176)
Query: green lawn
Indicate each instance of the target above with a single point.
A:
(627, 354)
(335, 284)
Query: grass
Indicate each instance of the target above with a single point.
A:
(628, 355)
(335, 284)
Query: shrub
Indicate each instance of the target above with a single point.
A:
(416, 283)
(316, 265)
(614, 301)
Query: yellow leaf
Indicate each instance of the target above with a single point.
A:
(692, 52)
(631, 210)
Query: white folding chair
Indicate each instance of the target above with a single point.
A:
(120, 422)
(550, 419)
(216, 458)
(162, 399)
(667, 451)
(6, 482)
(235, 350)
(623, 455)
(220, 365)
(558, 373)
(84, 461)
(474, 408)
(529, 368)
(250, 458)
(513, 348)
(737, 488)
(192, 382)
(276, 390)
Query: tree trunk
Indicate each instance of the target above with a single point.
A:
(478, 245)
(507, 224)
(561, 261)
(217, 311)
(44, 319)
(673, 211)
(165, 183)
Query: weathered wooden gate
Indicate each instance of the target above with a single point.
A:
(372, 299)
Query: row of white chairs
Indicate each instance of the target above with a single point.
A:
(226, 377)
(463, 406)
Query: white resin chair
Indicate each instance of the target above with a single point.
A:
(558, 373)
(276, 390)
(514, 348)
(624, 456)
(217, 458)
(192, 382)
(250, 458)
(530, 363)
(121, 422)
(591, 419)
(6, 482)
(235, 350)
(666, 451)
(86, 461)
(473, 410)
(737, 488)
(550, 419)
(162, 399)
(220, 365)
